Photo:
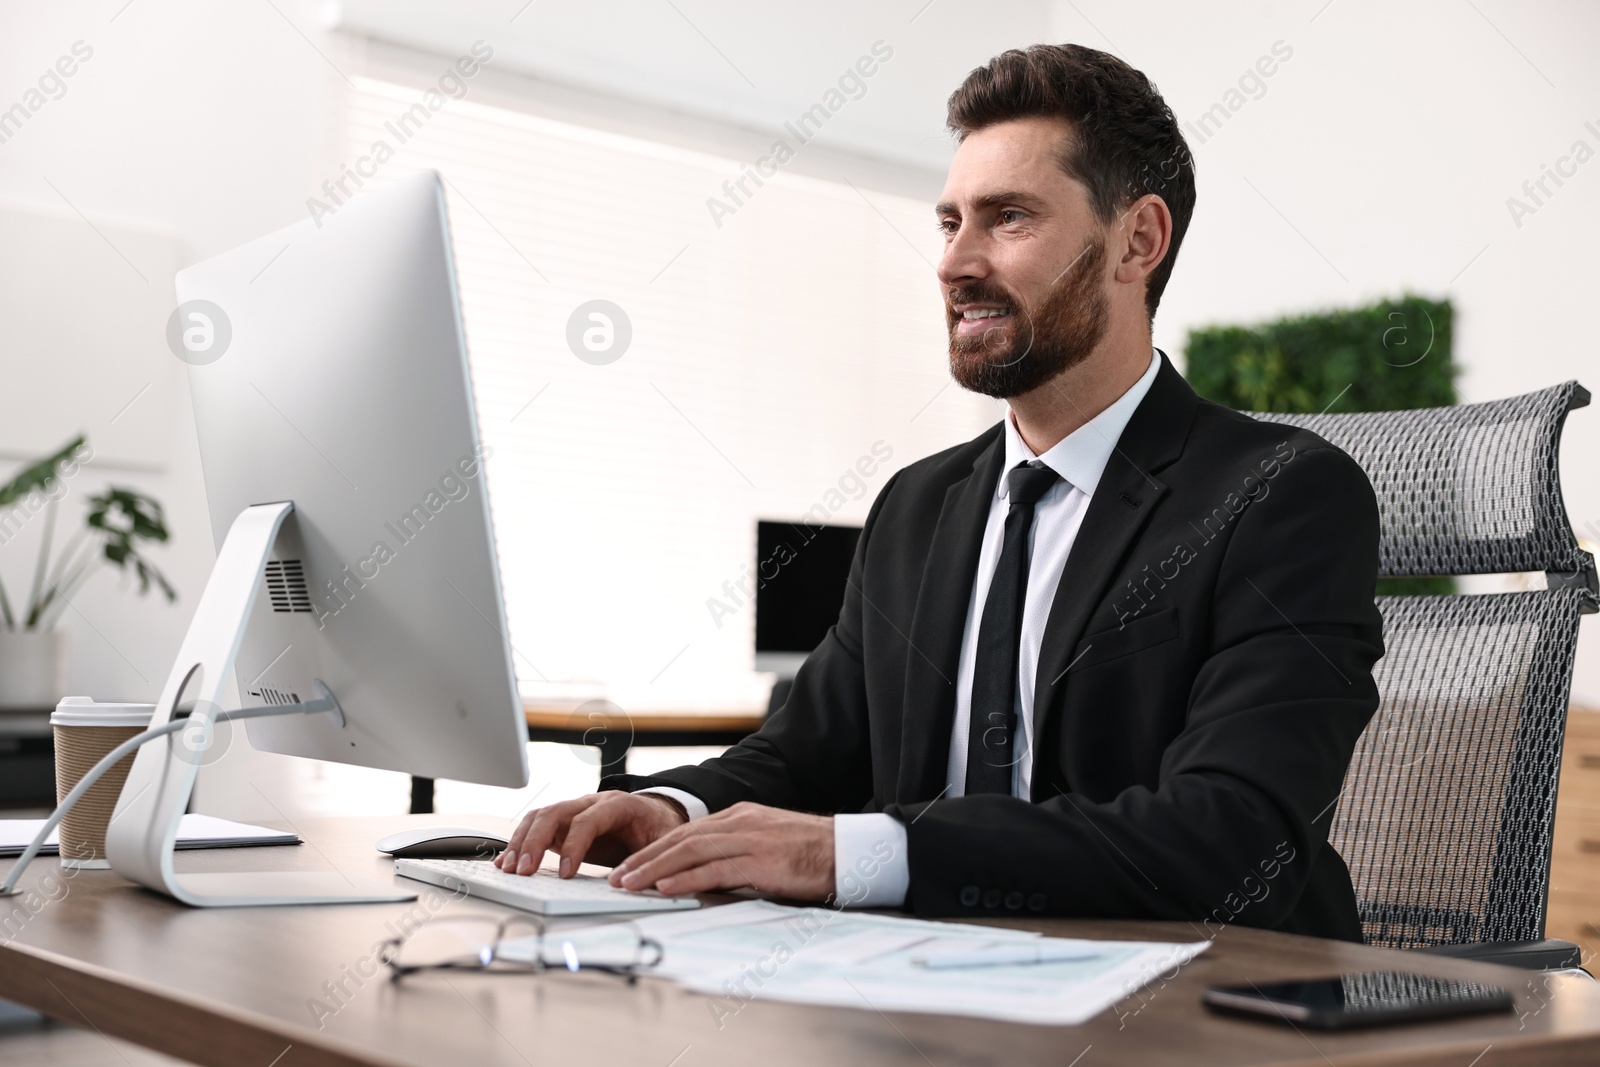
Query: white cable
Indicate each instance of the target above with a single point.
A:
(9, 889)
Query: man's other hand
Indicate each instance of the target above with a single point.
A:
(600, 828)
(777, 853)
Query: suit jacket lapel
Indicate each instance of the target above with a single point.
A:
(1119, 510)
(937, 626)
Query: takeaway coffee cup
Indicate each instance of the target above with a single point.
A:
(85, 733)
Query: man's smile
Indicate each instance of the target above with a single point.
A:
(978, 319)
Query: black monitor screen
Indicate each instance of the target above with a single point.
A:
(801, 572)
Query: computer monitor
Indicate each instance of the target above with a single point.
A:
(801, 573)
(345, 476)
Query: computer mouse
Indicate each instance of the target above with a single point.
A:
(423, 841)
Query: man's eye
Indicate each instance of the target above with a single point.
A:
(1010, 215)
(948, 225)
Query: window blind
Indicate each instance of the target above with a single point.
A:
(782, 364)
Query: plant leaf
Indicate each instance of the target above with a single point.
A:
(39, 475)
(124, 518)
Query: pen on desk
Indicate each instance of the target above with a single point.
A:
(1003, 957)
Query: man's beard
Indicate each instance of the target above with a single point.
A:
(1037, 344)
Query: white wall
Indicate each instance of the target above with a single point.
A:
(1379, 159)
(194, 127)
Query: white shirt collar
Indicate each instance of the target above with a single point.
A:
(1080, 457)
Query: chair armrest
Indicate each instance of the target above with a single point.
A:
(1547, 955)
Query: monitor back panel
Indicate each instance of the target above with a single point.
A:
(345, 388)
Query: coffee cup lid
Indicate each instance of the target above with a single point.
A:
(83, 711)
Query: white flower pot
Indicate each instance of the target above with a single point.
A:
(33, 669)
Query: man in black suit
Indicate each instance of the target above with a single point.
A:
(1110, 658)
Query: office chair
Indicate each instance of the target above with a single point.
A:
(1448, 809)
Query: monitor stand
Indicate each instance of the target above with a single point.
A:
(144, 828)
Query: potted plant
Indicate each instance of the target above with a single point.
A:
(117, 522)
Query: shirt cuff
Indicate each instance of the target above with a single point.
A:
(870, 863)
(693, 805)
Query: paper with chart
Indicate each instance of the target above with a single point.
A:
(762, 951)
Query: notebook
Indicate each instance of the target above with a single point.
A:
(194, 831)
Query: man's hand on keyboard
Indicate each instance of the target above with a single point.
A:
(600, 828)
(775, 852)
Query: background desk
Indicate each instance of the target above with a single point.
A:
(233, 988)
(1574, 910)
(612, 732)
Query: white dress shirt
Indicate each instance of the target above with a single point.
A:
(871, 866)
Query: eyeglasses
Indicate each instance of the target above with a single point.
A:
(518, 944)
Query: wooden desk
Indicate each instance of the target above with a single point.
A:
(1574, 911)
(232, 987)
(612, 732)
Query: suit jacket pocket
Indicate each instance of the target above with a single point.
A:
(1134, 636)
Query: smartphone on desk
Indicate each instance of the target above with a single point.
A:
(1350, 1001)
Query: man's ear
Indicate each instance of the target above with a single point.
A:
(1143, 237)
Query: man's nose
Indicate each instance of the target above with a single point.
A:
(963, 259)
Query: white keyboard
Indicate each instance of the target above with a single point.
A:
(543, 892)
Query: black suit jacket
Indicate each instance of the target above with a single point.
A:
(1204, 676)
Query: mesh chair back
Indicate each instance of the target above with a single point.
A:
(1473, 489)
(1448, 808)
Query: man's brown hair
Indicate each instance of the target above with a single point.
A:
(1124, 143)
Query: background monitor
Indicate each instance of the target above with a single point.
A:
(344, 387)
(801, 574)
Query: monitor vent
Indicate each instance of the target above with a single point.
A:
(286, 585)
(275, 697)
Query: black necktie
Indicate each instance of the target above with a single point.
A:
(990, 738)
